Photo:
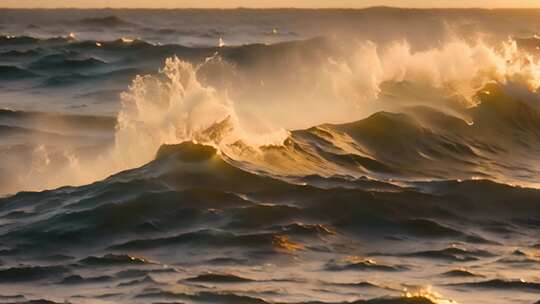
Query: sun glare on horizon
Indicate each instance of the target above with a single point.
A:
(267, 3)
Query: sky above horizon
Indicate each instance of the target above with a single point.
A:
(266, 3)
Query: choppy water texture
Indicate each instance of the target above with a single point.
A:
(269, 156)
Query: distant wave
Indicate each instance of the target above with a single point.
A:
(17, 40)
(7, 40)
(19, 54)
(64, 62)
(107, 21)
(64, 122)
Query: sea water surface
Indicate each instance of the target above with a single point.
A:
(269, 156)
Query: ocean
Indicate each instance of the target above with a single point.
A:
(378, 156)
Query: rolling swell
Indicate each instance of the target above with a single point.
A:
(432, 144)
(94, 72)
(504, 284)
(63, 62)
(173, 200)
(108, 21)
(233, 298)
(14, 73)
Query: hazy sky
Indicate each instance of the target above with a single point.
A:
(267, 3)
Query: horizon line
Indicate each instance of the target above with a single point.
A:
(270, 8)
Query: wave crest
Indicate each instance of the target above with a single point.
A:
(246, 104)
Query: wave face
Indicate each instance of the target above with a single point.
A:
(163, 156)
(191, 226)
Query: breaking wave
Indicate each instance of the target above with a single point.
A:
(251, 103)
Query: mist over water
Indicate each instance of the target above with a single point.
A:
(392, 154)
(223, 103)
